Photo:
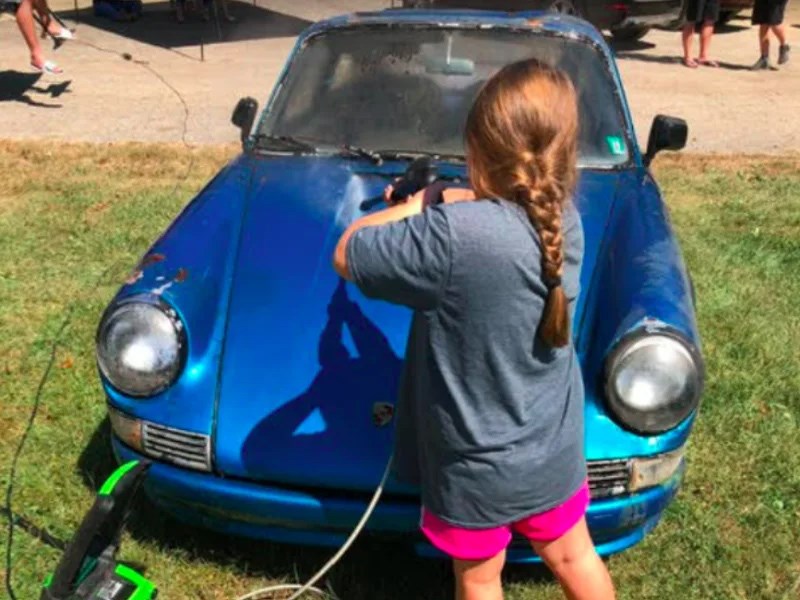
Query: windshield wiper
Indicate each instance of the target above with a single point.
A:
(414, 154)
(360, 152)
(285, 142)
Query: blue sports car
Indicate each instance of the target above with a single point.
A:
(262, 386)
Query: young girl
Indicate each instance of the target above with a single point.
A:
(490, 416)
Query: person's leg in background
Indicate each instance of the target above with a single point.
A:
(574, 561)
(27, 26)
(780, 33)
(42, 11)
(706, 33)
(686, 36)
(763, 45)
(479, 580)
(692, 15)
(783, 52)
(777, 9)
(763, 40)
(49, 24)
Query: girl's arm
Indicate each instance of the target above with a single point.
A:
(413, 206)
(398, 212)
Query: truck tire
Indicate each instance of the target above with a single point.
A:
(629, 33)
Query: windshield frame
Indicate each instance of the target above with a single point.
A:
(609, 68)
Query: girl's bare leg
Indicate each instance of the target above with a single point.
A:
(28, 29)
(574, 561)
(479, 580)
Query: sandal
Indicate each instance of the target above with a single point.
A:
(64, 34)
(707, 62)
(48, 67)
(690, 63)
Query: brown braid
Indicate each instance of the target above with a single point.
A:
(522, 145)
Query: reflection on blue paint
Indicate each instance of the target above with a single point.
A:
(195, 372)
(313, 425)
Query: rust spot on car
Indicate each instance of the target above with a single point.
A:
(134, 277)
(151, 259)
(181, 275)
(382, 414)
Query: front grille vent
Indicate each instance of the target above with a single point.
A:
(182, 448)
(609, 477)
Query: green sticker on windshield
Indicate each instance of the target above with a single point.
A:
(616, 145)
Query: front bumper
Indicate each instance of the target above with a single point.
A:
(269, 512)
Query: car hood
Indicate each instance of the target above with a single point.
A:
(310, 367)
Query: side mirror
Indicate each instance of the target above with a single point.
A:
(244, 115)
(667, 133)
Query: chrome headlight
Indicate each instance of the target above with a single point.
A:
(141, 346)
(653, 381)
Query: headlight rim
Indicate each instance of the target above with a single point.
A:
(619, 349)
(177, 323)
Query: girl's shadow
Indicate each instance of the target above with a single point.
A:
(328, 434)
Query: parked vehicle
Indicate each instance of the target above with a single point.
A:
(262, 386)
(626, 19)
(731, 8)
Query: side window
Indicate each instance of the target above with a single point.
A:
(599, 135)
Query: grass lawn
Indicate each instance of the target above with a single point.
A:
(74, 219)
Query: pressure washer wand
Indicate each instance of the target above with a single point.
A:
(421, 173)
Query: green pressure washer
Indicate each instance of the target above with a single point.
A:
(88, 570)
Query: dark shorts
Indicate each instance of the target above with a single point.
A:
(768, 12)
(698, 11)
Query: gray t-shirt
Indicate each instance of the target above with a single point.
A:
(489, 419)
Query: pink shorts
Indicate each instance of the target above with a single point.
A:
(480, 544)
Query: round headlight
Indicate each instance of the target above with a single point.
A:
(653, 382)
(140, 346)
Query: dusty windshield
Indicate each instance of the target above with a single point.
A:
(409, 89)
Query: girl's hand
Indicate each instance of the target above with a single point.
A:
(387, 195)
(431, 193)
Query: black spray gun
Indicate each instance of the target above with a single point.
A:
(421, 173)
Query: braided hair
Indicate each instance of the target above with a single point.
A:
(521, 138)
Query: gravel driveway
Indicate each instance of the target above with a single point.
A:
(104, 96)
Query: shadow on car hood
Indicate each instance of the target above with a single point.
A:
(310, 367)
